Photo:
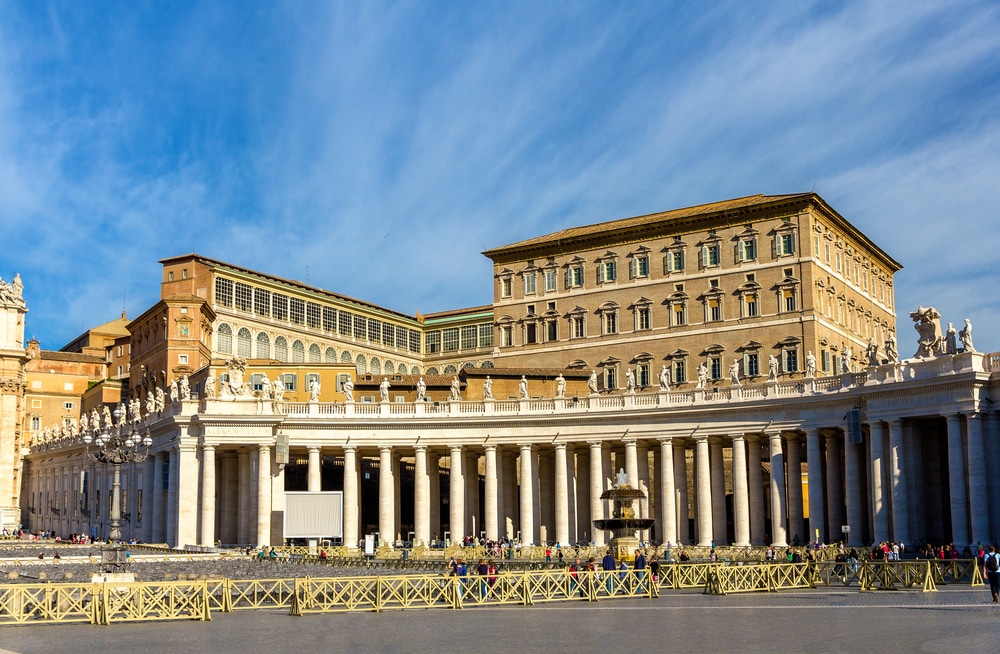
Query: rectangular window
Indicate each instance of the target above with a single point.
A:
(610, 378)
(642, 375)
(374, 330)
(788, 300)
(389, 334)
(414, 337)
(751, 306)
(468, 337)
(182, 359)
(678, 314)
(579, 330)
(607, 271)
(68, 406)
(341, 378)
(244, 296)
(170, 276)
(505, 287)
(360, 327)
(550, 280)
(297, 311)
(675, 261)
(574, 276)
(751, 366)
(344, 321)
(432, 342)
(529, 283)
(825, 355)
(786, 244)
(262, 302)
(710, 256)
(714, 310)
(748, 249)
(36, 423)
(486, 335)
(329, 319)
(642, 318)
(551, 331)
(257, 381)
(680, 374)
(450, 339)
(507, 336)
(641, 266)
(611, 323)
(715, 365)
(290, 380)
(223, 292)
(313, 312)
(791, 360)
(279, 306)
(530, 333)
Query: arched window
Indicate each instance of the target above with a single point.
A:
(413, 371)
(361, 365)
(224, 341)
(467, 365)
(281, 349)
(375, 366)
(486, 364)
(389, 367)
(432, 371)
(450, 370)
(263, 346)
(243, 342)
(298, 352)
(402, 369)
(345, 357)
(315, 355)
(330, 356)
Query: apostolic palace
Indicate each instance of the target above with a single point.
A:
(738, 361)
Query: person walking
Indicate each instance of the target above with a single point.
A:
(991, 566)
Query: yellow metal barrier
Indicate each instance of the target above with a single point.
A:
(260, 593)
(21, 603)
(168, 600)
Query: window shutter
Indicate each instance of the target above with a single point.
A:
(774, 246)
(791, 243)
(566, 278)
(703, 257)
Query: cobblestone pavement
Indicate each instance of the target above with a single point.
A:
(816, 621)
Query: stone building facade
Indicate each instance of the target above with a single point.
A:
(889, 449)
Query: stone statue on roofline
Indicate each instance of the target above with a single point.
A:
(488, 388)
(210, 385)
(926, 320)
(456, 388)
(522, 388)
(871, 352)
(950, 343)
(890, 349)
(772, 366)
(592, 382)
(348, 389)
(702, 375)
(383, 389)
(664, 378)
(629, 381)
(560, 386)
(734, 372)
(966, 336)
(421, 389)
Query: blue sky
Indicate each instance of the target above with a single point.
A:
(375, 149)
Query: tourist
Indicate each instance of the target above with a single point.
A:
(991, 567)
(483, 570)
(654, 568)
(574, 569)
(608, 565)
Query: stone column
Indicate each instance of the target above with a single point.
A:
(897, 479)
(703, 488)
(718, 470)
(421, 497)
(208, 495)
(244, 531)
(779, 537)
(545, 492)
(596, 490)
(351, 493)
(572, 497)
(434, 472)
(456, 495)
(741, 496)
(171, 498)
(491, 526)
(263, 494)
(527, 497)
(644, 506)
(956, 482)
(978, 500)
(835, 485)
(315, 482)
(681, 490)
(510, 497)
(853, 485)
(796, 524)
(561, 496)
(668, 501)
(632, 470)
(581, 471)
(755, 490)
(817, 512)
(149, 488)
(880, 510)
(386, 497)
(470, 468)
(156, 513)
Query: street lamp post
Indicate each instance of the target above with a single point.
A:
(117, 443)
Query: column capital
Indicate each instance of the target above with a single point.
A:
(628, 441)
(738, 438)
(420, 448)
(315, 449)
(953, 417)
(525, 447)
(455, 448)
(264, 447)
(792, 436)
(665, 439)
(753, 438)
(559, 446)
(701, 437)
(385, 449)
(896, 423)
(208, 447)
(350, 448)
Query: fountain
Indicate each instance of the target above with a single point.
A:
(623, 523)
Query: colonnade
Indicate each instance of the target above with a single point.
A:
(921, 478)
